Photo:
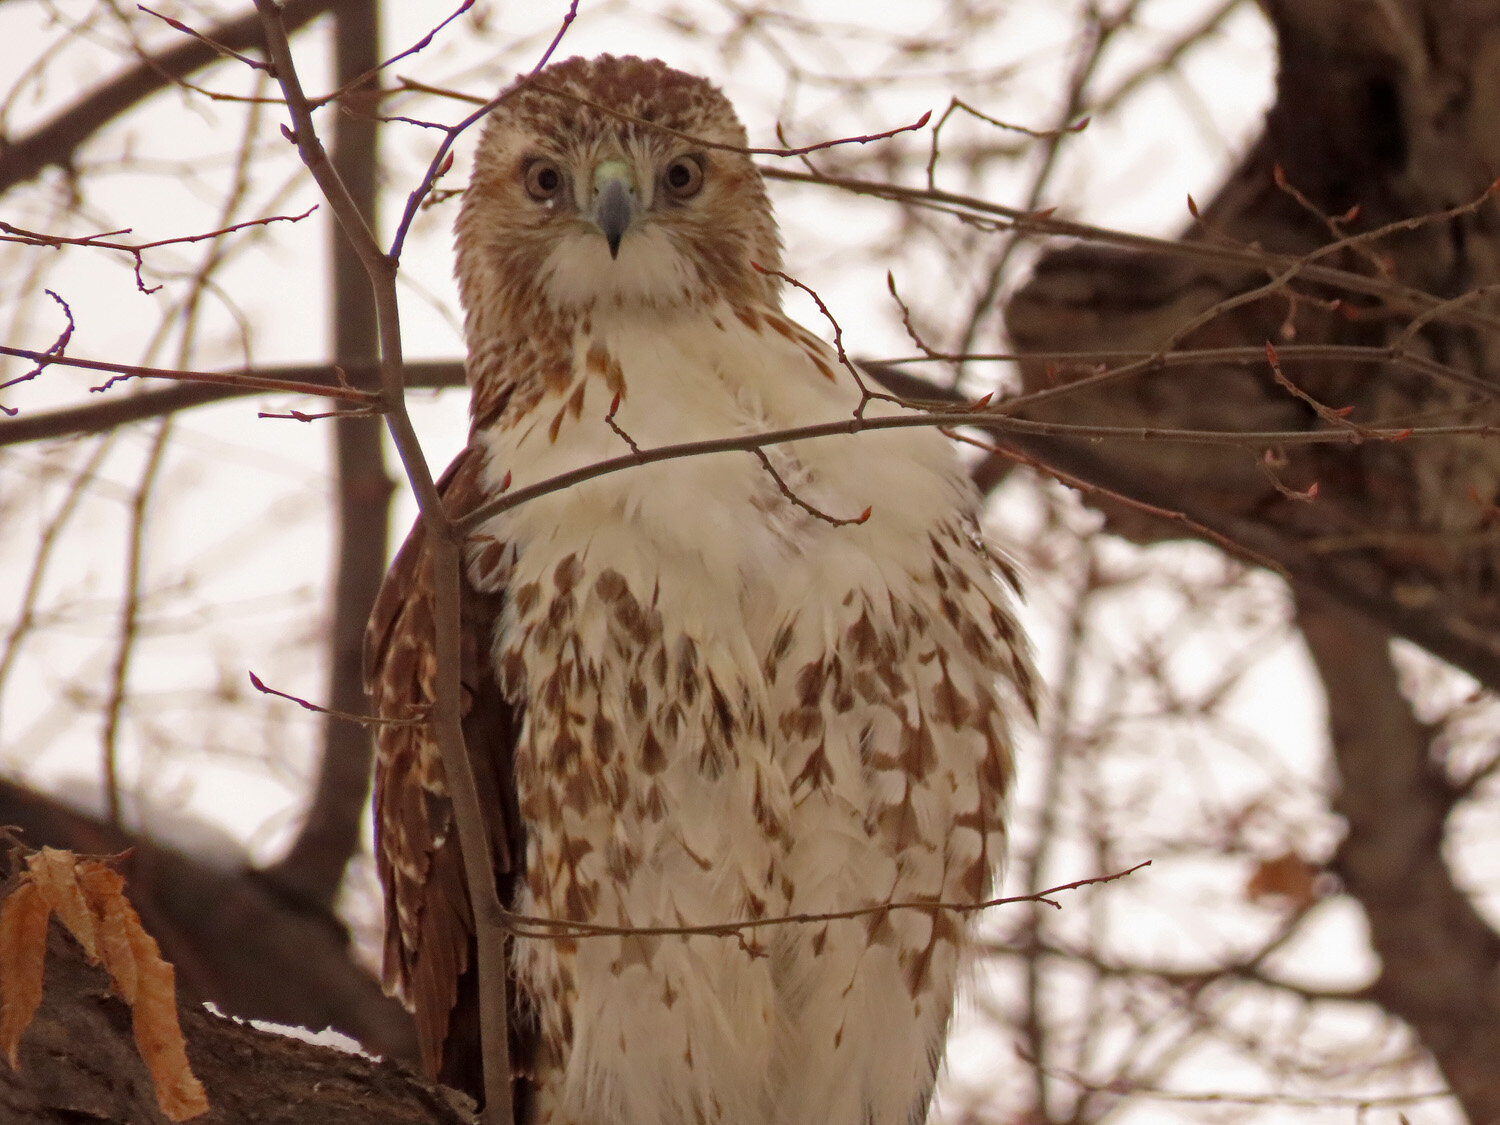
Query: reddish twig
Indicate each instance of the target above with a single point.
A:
(1271, 460)
(609, 418)
(9, 233)
(987, 418)
(838, 340)
(1333, 416)
(218, 48)
(956, 105)
(703, 142)
(119, 410)
(692, 138)
(1154, 510)
(54, 354)
(299, 416)
(420, 45)
(911, 332)
(246, 381)
(442, 158)
(786, 490)
(363, 720)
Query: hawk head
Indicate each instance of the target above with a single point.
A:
(599, 182)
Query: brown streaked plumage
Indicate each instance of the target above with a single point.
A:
(429, 942)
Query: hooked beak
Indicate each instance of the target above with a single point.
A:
(614, 202)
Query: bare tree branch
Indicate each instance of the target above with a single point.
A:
(119, 410)
(55, 142)
(1439, 957)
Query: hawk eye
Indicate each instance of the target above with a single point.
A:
(684, 177)
(543, 180)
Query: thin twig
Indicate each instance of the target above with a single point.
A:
(704, 142)
(838, 340)
(120, 410)
(218, 48)
(53, 354)
(10, 233)
(609, 418)
(244, 381)
(533, 926)
(442, 159)
(956, 105)
(1156, 511)
(786, 490)
(365, 77)
(363, 720)
(1307, 267)
(983, 418)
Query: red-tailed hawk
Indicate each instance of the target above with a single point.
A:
(692, 695)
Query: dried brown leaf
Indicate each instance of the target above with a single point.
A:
(1288, 876)
(54, 873)
(106, 893)
(147, 984)
(23, 955)
(89, 898)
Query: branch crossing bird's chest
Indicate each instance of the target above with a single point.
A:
(736, 709)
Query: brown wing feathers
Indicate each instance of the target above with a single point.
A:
(429, 937)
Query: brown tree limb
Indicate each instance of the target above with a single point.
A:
(122, 409)
(1439, 957)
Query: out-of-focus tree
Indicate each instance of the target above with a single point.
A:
(1221, 538)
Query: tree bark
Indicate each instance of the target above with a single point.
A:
(1396, 117)
(79, 1063)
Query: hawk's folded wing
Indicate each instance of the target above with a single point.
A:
(429, 936)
